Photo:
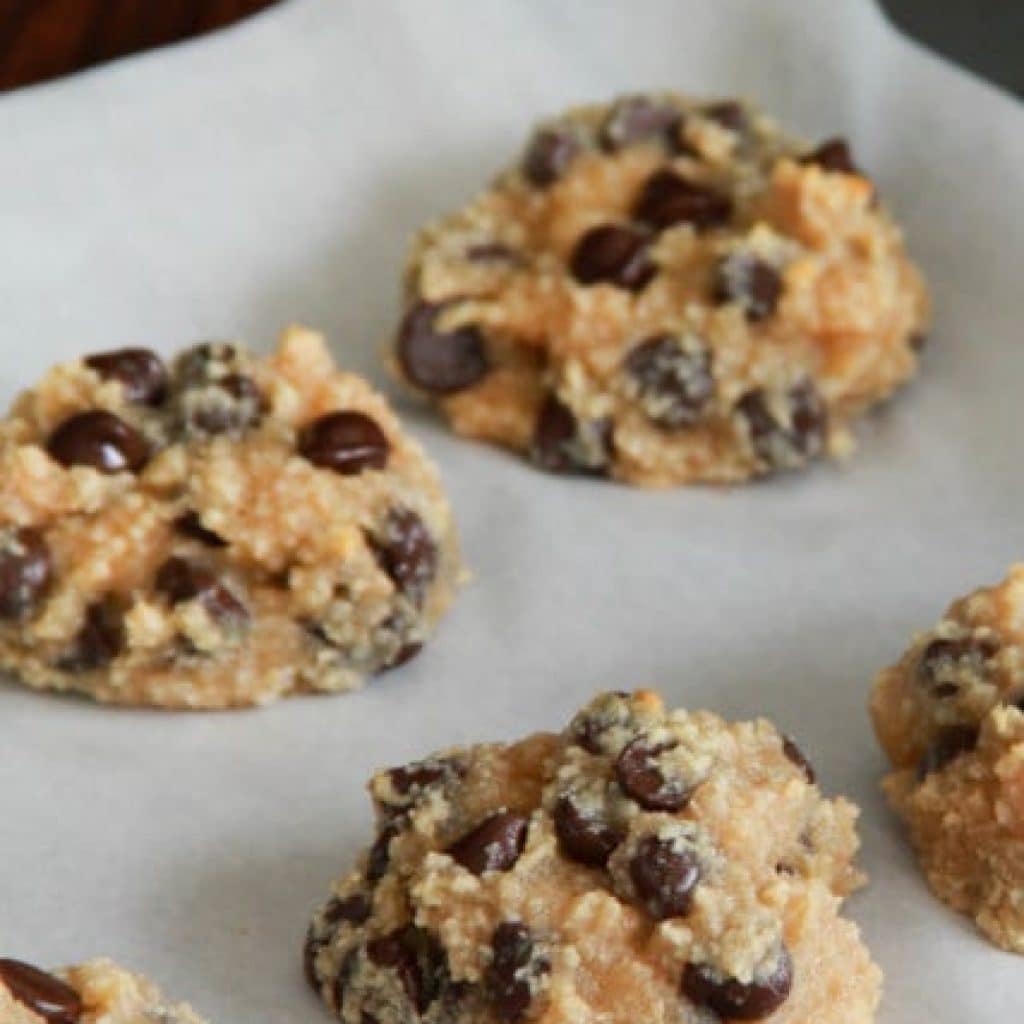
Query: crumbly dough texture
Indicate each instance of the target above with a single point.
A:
(664, 291)
(217, 533)
(641, 865)
(101, 992)
(950, 716)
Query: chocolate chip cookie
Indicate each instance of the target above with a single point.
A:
(640, 865)
(664, 291)
(215, 532)
(950, 716)
(97, 992)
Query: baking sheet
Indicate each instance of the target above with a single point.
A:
(273, 172)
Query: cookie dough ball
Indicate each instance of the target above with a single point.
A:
(97, 992)
(641, 865)
(664, 291)
(950, 716)
(216, 532)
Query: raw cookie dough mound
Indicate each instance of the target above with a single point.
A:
(97, 992)
(665, 292)
(643, 865)
(215, 533)
(950, 716)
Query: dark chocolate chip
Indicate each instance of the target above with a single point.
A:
(347, 442)
(180, 580)
(641, 119)
(43, 994)
(664, 877)
(948, 657)
(441, 362)
(729, 114)
(379, 858)
(101, 440)
(737, 1000)
(190, 524)
(799, 758)
(834, 156)
(418, 960)
(100, 640)
(617, 254)
(674, 383)
(640, 776)
(589, 727)
(404, 654)
(227, 405)
(406, 551)
(549, 154)
(141, 372)
(918, 340)
(561, 444)
(585, 838)
(668, 199)
(494, 845)
(413, 779)
(744, 279)
(947, 746)
(779, 446)
(26, 570)
(351, 909)
(513, 965)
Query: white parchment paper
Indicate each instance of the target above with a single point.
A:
(272, 173)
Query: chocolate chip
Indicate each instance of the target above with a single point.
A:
(664, 877)
(755, 285)
(493, 252)
(141, 372)
(944, 658)
(405, 653)
(948, 745)
(585, 838)
(737, 1000)
(347, 442)
(918, 340)
(640, 119)
(100, 640)
(589, 727)
(615, 254)
(549, 154)
(674, 382)
(513, 965)
(832, 155)
(494, 845)
(101, 440)
(777, 445)
(418, 960)
(640, 776)
(799, 758)
(190, 524)
(729, 114)
(180, 580)
(406, 551)
(668, 199)
(413, 779)
(26, 571)
(350, 909)
(379, 858)
(43, 994)
(441, 362)
(562, 444)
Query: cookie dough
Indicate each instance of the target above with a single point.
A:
(97, 992)
(641, 865)
(216, 532)
(950, 716)
(664, 291)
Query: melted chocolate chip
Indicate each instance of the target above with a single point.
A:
(668, 199)
(674, 383)
(100, 640)
(418, 960)
(441, 362)
(26, 571)
(494, 845)
(834, 156)
(346, 442)
(616, 254)
(585, 838)
(640, 776)
(513, 964)
(549, 154)
(43, 994)
(729, 114)
(561, 444)
(181, 580)
(413, 779)
(101, 440)
(636, 119)
(664, 877)
(947, 746)
(190, 524)
(406, 551)
(799, 758)
(141, 372)
(779, 446)
(751, 282)
(737, 1000)
(351, 909)
(379, 858)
